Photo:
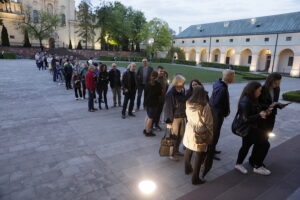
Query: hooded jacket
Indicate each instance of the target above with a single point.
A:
(219, 100)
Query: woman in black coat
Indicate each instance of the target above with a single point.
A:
(153, 92)
(252, 113)
(102, 85)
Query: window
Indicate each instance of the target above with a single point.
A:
(288, 38)
(50, 8)
(63, 19)
(182, 42)
(291, 61)
(231, 40)
(35, 17)
(266, 39)
(249, 59)
(12, 37)
(216, 58)
(217, 41)
(193, 41)
(204, 41)
(247, 39)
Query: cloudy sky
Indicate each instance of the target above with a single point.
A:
(188, 12)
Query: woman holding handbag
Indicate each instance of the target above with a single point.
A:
(251, 113)
(198, 133)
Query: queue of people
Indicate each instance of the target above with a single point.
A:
(193, 118)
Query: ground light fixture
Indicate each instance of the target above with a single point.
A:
(147, 187)
(271, 134)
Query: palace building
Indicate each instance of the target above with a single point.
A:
(14, 11)
(270, 43)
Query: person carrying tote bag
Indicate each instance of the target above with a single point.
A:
(251, 114)
(198, 133)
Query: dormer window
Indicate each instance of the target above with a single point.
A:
(226, 24)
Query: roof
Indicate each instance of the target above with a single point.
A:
(283, 23)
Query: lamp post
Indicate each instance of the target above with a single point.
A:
(150, 42)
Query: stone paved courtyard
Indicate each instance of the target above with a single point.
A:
(51, 147)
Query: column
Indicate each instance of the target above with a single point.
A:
(197, 57)
(254, 61)
(275, 67)
(223, 58)
(295, 72)
(237, 59)
(187, 57)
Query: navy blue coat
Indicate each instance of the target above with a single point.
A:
(219, 100)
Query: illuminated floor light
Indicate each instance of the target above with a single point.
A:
(147, 187)
(271, 135)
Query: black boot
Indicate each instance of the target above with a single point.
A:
(106, 106)
(100, 106)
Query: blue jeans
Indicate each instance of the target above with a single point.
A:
(141, 88)
(91, 99)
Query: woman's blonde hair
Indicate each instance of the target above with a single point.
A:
(178, 80)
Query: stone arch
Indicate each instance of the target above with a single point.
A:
(230, 54)
(51, 43)
(246, 57)
(203, 55)
(192, 55)
(216, 55)
(264, 60)
(285, 61)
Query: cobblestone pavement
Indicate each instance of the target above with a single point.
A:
(51, 147)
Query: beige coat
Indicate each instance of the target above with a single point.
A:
(193, 113)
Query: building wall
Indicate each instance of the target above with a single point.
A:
(239, 48)
(62, 35)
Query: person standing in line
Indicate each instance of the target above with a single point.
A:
(165, 85)
(37, 58)
(83, 75)
(175, 112)
(197, 107)
(252, 113)
(91, 86)
(153, 93)
(77, 85)
(115, 84)
(102, 85)
(45, 61)
(220, 105)
(129, 86)
(68, 72)
(77, 67)
(193, 84)
(143, 77)
(96, 73)
(49, 62)
(54, 64)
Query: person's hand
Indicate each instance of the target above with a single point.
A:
(263, 114)
(274, 104)
(269, 111)
(169, 126)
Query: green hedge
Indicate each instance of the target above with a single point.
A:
(9, 55)
(292, 96)
(185, 62)
(249, 76)
(121, 58)
(162, 60)
(225, 66)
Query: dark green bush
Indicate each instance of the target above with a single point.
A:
(292, 96)
(9, 55)
(162, 60)
(225, 66)
(185, 62)
(106, 58)
(249, 76)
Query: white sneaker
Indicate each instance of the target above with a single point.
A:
(268, 171)
(173, 158)
(241, 168)
(76, 98)
(261, 171)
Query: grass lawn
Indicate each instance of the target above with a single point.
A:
(190, 73)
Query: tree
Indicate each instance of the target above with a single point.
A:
(70, 45)
(138, 20)
(178, 51)
(157, 36)
(79, 45)
(86, 27)
(4, 37)
(42, 28)
(26, 39)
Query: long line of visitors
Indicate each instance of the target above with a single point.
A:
(193, 117)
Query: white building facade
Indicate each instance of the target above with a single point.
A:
(269, 43)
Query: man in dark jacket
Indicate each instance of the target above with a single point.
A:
(68, 72)
(129, 85)
(220, 105)
(175, 112)
(54, 62)
(143, 77)
(115, 84)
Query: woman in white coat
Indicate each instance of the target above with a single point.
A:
(198, 133)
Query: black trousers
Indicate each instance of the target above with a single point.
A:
(103, 93)
(158, 114)
(83, 88)
(91, 99)
(199, 158)
(141, 88)
(128, 97)
(261, 146)
(68, 81)
(77, 90)
(218, 122)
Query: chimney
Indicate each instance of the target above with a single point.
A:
(180, 29)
